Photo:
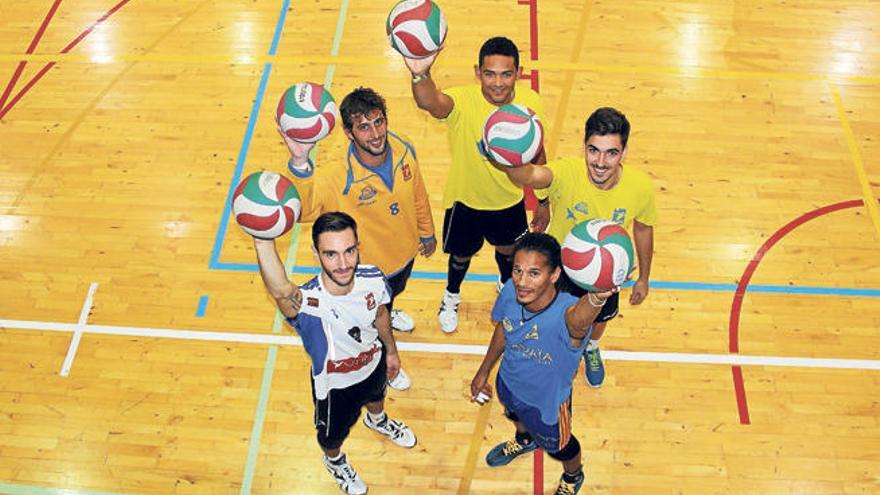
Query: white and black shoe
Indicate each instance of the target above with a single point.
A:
(448, 314)
(401, 321)
(401, 381)
(396, 431)
(345, 475)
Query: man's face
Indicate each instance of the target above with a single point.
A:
(337, 253)
(369, 132)
(603, 155)
(532, 278)
(498, 76)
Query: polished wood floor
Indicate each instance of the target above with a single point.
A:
(124, 124)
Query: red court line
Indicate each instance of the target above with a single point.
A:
(736, 307)
(30, 49)
(66, 49)
(538, 465)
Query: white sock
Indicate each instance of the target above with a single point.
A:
(337, 458)
(594, 344)
(376, 418)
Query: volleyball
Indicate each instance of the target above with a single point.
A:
(266, 205)
(416, 28)
(306, 112)
(513, 135)
(597, 255)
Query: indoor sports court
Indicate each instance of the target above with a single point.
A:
(140, 353)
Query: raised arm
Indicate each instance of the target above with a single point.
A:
(579, 316)
(426, 93)
(534, 176)
(287, 296)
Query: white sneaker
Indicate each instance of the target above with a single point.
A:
(396, 431)
(401, 321)
(400, 382)
(448, 314)
(345, 475)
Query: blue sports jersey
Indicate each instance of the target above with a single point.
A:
(539, 362)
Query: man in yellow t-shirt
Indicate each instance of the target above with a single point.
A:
(598, 186)
(379, 184)
(481, 203)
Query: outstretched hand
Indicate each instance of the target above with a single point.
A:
(299, 152)
(418, 66)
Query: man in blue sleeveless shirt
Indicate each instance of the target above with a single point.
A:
(541, 332)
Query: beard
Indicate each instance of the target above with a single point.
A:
(335, 278)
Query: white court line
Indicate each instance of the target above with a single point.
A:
(476, 350)
(77, 334)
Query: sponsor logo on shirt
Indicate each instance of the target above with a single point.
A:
(312, 301)
(371, 301)
(539, 356)
(353, 363)
(407, 171)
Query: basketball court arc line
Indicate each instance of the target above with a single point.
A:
(451, 62)
(435, 348)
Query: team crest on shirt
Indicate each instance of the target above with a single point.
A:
(355, 333)
(507, 324)
(367, 193)
(407, 171)
(533, 333)
(371, 301)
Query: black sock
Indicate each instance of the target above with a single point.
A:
(455, 274)
(523, 438)
(573, 477)
(505, 265)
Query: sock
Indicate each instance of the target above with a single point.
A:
(455, 274)
(594, 344)
(335, 460)
(523, 438)
(505, 265)
(377, 418)
(573, 477)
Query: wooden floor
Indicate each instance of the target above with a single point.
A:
(759, 122)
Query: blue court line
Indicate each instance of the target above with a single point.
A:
(203, 306)
(17, 489)
(215, 264)
(655, 284)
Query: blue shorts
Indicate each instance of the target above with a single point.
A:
(551, 438)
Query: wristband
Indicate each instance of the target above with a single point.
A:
(417, 78)
(590, 300)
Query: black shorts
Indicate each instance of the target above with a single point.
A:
(397, 282)
(465, 228)
(608, 311)
(335, 415)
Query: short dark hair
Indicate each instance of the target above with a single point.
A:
(332, 221)
(540, 243)
(360, 102)
(605, 121)
(499, 45)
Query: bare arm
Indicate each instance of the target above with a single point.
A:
(481, 378)
(426, 93)
(644, 237)
(287, 296)
(534, 176)
(383, 325)
(579, 316)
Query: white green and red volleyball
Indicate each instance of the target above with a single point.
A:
(306, 112)
(513, 135)
(266, 205)
(416, 28)
(597, 255)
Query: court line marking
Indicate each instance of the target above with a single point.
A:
(30, 84)
(435, 348)
(30, 49)
(451, 62)
(867, 194)
(202, 308)
(77, 334)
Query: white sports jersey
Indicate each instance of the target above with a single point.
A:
(339, 332)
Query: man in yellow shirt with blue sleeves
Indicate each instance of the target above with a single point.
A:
(380, 185)
(481, 203)
(598, 186)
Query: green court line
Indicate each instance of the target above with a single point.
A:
(271, 357)
(16, 489)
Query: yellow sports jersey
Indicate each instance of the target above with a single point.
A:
(574, 198)
(391, 220)
(472, 179)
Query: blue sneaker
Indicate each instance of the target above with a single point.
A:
(505, 452)
(566, 488)
(595, 370)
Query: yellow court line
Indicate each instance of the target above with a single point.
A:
(867, 194)
(553, 137)
(373, 61)
(470, 463)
